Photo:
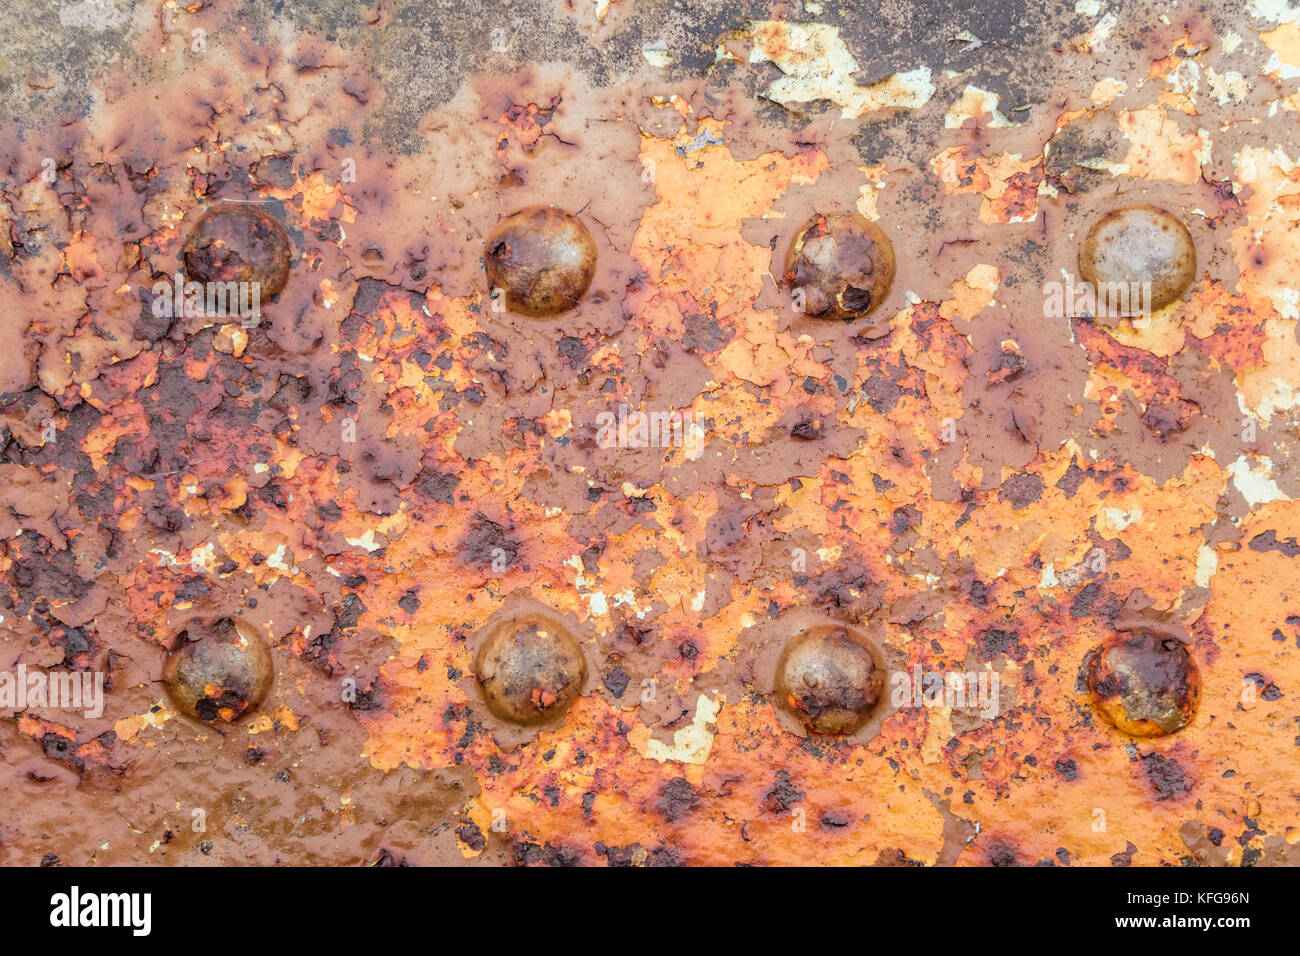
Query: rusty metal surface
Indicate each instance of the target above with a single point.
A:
(1082, 523)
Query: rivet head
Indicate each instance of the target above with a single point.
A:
(1144, 683)
(830, 678)
(839, 266)
(1139, 245)
(239, 242)
(542, 258)
(219, 671)
(530, 669)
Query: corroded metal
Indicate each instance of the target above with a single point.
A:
(238, 243)
(542, 258)
(830, 678)
(219, 671)
(990, 474)
(840, 266)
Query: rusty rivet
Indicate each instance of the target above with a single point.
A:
(1139, 244)
(530, 668)
(840, 266)
(1144, 683)
(830, 678)
(543, 258)
(237, 242)
(218, 671)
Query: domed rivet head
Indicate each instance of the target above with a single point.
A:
(530, 669)
(1144, 683)
(542, 258)
(839, 266)
(219, 671)
(1142, 247)
(830, 678)
(239, 242)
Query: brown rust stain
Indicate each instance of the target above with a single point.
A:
(383, 463)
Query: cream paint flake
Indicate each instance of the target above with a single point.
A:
(1105, 92)
(366, 541)
(974, 103)
(1229, 86)
(867, 192)
(1095, 39)
(1207, 562)
(1255, 481)
(1275, 11)
(1117, 519)
(818, 66)
(657, 55)
(1282, 398)
(277, 561)
(691, 744)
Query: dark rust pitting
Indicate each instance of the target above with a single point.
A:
(219, 671)
(1144, 683)
(530, 669)
(543, 258)
(830, 679)
(842, 265)
(1139, 244)
(239, 242)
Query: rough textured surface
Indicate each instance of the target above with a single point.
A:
(829, 679)
(991, 480)
(219, 670)
(541, 259)
(839, 266)
(1145, 683)
(238, 243)
(530, 669)
(1142, 247)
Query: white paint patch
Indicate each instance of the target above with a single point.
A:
(1277, 11)
(1097, 36)
(1185, 78)
(657, 55)
(1227, 87)
(366, 541)
(1207, 562)
(819, 66)
(1254, 481)
(691, 744)
(1119, 519)
(277, 560)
